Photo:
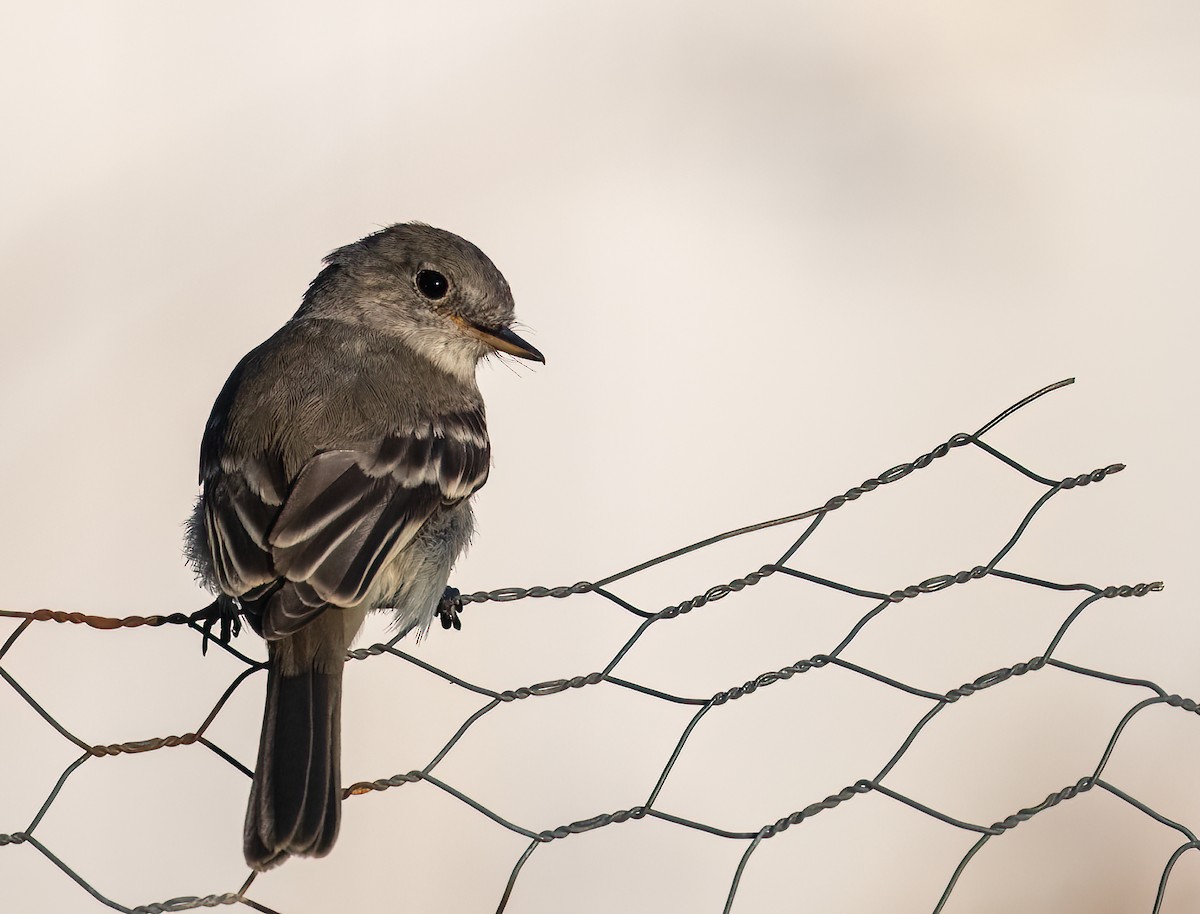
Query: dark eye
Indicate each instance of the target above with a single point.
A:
(432, 284)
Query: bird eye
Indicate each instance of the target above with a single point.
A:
(432, 284)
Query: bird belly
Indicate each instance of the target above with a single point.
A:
(414, 578)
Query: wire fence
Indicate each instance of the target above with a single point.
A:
(879, 602)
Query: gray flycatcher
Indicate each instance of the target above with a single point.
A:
(336, 470)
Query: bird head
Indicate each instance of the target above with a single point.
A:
(434, 290)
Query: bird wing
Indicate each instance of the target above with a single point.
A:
(347, 513)
(240, 506)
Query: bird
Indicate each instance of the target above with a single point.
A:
(336, 474)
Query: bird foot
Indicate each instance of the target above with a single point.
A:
(449, 607)
(224, 610)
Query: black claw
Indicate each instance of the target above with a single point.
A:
(449, 608)
(224, 610)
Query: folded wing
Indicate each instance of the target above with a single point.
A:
(346, 514)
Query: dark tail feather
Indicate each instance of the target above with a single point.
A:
(296, 798)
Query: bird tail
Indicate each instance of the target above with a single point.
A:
(296, 798)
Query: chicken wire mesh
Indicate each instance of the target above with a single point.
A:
(878, 603)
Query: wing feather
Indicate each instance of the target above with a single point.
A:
(328, 486)
(235, 518)
(347, 514)
(289, 609)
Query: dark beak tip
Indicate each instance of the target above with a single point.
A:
(515, 345)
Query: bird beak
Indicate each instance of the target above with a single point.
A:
(504, 340)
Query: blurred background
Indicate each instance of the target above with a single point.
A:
(769, 251)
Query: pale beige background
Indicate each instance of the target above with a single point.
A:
(768, 252)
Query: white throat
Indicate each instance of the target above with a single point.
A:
(454, 354)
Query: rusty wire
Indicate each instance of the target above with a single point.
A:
(880, 602)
